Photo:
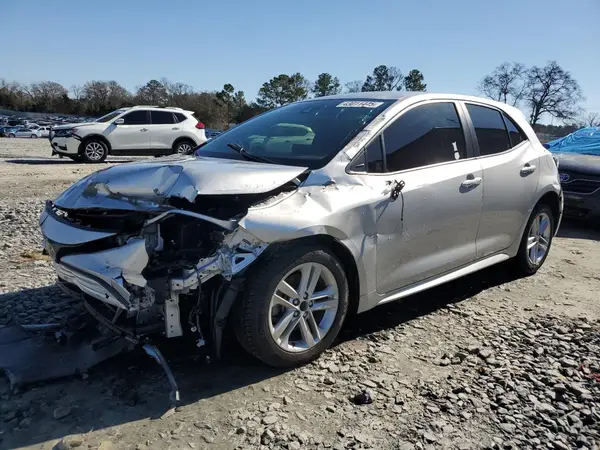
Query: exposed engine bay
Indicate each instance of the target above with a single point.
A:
(176, 265)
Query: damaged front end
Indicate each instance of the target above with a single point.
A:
(141, 274)
(154, 248)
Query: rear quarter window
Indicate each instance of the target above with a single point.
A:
(180, 117)
(514, 132)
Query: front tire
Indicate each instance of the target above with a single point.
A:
(11, 135)
(295, 306)
(536, 241)
(34, 136)
(184, 147)
(94, 151)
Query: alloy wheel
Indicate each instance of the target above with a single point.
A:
(94, 151)
(184, 148)
(303, 307)
(538, 239)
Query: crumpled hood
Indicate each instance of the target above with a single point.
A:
(589, 164)
(67, 126)
(146, 185)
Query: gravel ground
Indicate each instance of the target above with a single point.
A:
(484, 362)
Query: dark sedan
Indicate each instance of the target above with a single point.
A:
(580, 179)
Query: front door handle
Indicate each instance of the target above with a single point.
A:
(472, 182)
(144, 129)
(527, 169)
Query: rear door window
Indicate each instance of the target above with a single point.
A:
(162, 117)
(490, 129)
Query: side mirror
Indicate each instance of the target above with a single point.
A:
(119, 121)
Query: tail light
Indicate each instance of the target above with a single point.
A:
(200, 126)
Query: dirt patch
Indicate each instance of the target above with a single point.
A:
(487, 361)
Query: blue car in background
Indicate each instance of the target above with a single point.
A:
(210, 133)
(578, 156)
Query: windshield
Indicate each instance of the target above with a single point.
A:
(307, 134)
(109, 116)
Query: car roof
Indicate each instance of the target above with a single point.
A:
(415, 96)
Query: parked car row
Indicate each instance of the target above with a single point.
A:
(34, 133)
(28, 121)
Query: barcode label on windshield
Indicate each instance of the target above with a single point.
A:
(359, 104)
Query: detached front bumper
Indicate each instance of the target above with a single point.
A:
(108, 267)
(105, 275)
(65, 145)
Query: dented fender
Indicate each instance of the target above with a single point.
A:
(322, 206)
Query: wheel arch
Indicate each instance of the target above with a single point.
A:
(344, 255)
(552, 199)
(99, 137)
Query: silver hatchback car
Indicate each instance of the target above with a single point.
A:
(365, 199)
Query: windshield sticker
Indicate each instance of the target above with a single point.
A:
(359, 104)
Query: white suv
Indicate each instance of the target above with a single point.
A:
(135, 131)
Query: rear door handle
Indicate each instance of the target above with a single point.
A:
(527, 169)
(144, 129)
(472, 182)
(175, 128)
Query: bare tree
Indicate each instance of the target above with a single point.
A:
(100, 97)
(76, 92)
(117, 95)
(47, 96)
(590, 119)
(14, 95)
(507, 83)
(178, 94)
(552, 90)
(353, 86)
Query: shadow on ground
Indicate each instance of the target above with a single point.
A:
(132, 387)
(49, 162)
(579, 230)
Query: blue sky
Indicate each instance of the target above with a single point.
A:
(245, 43)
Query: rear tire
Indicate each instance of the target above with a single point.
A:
(93, 151)
(184, 147)
(11, 135)
(535, 242)
(286, 330)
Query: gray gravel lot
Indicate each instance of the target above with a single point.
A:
(484, 362)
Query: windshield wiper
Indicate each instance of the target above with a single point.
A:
(246, 154)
